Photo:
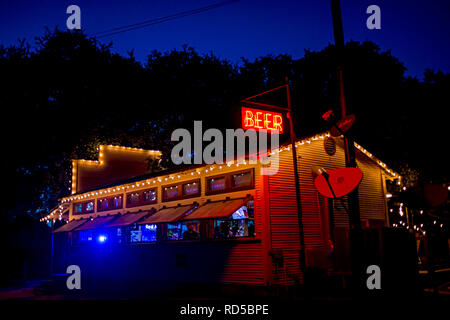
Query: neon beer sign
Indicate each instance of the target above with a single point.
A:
(260, 119)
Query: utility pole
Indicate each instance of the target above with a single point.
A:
(356, 239)
(297, 183)
(350, 158)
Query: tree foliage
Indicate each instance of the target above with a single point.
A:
(69, 93)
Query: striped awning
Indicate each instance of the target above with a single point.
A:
(128, 218)
(217, 209)
(96, 223)
(71, 225)
(168, 215)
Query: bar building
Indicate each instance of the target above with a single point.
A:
(212, 223)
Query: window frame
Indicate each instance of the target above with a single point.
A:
(229, 187)
(111, 201)
(180, 191)
(141, 201)
(253, 219)
(83, 207)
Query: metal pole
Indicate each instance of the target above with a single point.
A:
(350, 158)
(297, 183)
(356, 236)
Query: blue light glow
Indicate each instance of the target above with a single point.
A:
(102, 238)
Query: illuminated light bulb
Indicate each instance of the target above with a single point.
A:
(434, 222)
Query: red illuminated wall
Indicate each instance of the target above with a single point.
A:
(117, 164)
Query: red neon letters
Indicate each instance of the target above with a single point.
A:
(260, 119)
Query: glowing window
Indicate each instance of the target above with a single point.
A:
(170, 192)
(149, 232)
(89, 206)
(78, 208)
(149, 195)
(191, 188)
(243, 179)
(216, 184)
(239, 224)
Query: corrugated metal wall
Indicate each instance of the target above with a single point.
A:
(283, 219)
(283, 210)
(246, 261)
(372, 200)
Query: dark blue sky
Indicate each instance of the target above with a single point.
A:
(417, 32)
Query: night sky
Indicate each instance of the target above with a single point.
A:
(417, 32)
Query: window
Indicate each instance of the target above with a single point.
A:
(117, 202)
(83, 207)
(243, 179)
(89, 206)
(149, 195)
(85, 235)
(174, 231)
(140, 198)
(183, 231)
(149, 232)
(77, 208)
(144, 233)
(239, 224)
(181, 191)
(216, 184)
(116, 234)
(230, 182)
(190, 230)
(110, 203)
(133, 198)
(170, 193)
(191, 188)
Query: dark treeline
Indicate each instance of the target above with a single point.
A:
(68, 93)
